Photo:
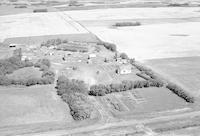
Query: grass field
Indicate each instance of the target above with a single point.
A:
(184, 71)
(31, 105)
(25, 73)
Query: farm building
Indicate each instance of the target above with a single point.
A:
(91, 56)
(124, 69)
(122, 61)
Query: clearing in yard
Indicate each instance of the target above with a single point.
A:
(25, 73)
(184, 71)
(29, 105)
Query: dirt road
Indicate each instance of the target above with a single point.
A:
(47, 128)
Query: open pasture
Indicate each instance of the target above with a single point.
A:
(29, 105)
(184, 71)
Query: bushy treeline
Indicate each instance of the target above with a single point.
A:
(47, 78)
(171, 86)
(43, 64)
(40, 10)
(53, 42)
(68, 86)
(147, 71)
(180, 92)
(7, 66)
(124, 56)
(121, 24)
(73, 92)
(72, 48)
(101, 90)
(110, 46)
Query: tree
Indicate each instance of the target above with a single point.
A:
(124, 56)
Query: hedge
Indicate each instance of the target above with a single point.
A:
(110, 46)
(101, 90)
(180, 92)
(171, 86)
(80, 107)
(121, 24)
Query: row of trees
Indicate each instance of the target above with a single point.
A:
(53, 42)
(101, 90)
(74, 92)
(171, 86)
(180, 92)
(47, 79)
(110, 46)
(121, 24)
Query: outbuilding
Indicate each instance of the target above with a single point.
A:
(124, 69)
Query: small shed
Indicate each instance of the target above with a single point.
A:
(124, 69)
(92, 55)
(12, 45)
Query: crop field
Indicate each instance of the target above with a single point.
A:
(31, 105)
(134, 13)
(162, 39)
(141, 101)
(38, 24)
(184, 71)
(25, 73)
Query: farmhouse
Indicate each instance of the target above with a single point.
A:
(124, 69)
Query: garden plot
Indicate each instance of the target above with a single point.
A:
(184, 71)
(142, 102)
(153, 99)
(29, 105)
(33, 24)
